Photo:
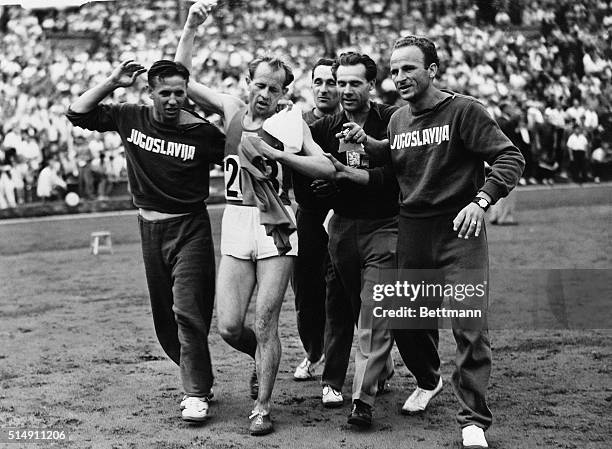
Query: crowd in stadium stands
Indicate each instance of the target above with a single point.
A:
(542, 67)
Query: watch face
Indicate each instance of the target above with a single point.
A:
(483, 203)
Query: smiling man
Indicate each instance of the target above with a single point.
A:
(312, 262)
(362, 231)
(169, 151)
(438, 144)
(249, 254)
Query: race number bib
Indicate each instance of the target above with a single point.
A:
(233, 180)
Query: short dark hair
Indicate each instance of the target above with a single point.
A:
(354, 58)
(164, 69)
(323, 61)
(425, 45)
(275, 63)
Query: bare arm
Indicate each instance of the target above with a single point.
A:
(123, 76)
(207, 98)
(312, 163)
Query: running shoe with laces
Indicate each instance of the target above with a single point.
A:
(261, 424)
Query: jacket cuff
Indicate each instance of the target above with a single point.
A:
(494, 191)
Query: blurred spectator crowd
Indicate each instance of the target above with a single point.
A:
(542, 67)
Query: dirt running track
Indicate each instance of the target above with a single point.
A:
(78, 353)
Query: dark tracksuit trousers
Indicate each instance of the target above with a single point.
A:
(180, 269)
(359, 248)
(309, 273)
(322, 325)
(431, 243)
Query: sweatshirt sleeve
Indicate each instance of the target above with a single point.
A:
(102, 118)
(217, 145)
(482, 135)
(382, 178)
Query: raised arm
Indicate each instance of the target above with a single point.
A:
(123, 76)
(207, 98)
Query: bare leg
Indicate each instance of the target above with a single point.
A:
(235, 284)
(272, 278)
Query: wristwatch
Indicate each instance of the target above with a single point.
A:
(483, 203)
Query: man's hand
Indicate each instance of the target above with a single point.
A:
(345, 173)
(469, 221)
(341, 169)
(126, 73)
(199, 12)
(352, 133)
(263, 148)
(324, 189)
(339, 166)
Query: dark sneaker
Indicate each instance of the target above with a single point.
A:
(361, 415)
(254, 385)
(260, 424)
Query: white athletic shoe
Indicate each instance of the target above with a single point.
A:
(419, 399)
(208, 398)
(196, 409)
(306, 370)
(473, 438)
(331, 398)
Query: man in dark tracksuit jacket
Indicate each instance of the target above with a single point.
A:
(169, 151)
(438, 143)
(312, 262)
(362, 231)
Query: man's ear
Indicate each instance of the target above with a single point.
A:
(433, 70)
(247, 79)
(372, 84)
(285, 90)
(150, 90)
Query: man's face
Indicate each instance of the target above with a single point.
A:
(408, 72)
(324, 89)
(265, 89)
(169, 96)
(353, 86)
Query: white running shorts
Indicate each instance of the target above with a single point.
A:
(244, 238)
